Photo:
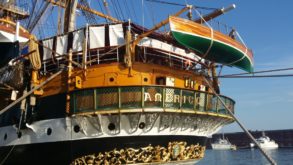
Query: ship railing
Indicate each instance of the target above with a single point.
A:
(142, 98)
(115, 54)
(221, 27)
(176, 62)
(226, 29)
(95, 56)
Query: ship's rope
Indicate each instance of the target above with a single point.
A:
(178, 4)
(102, 10)
(6, 157)
(248, 75)
(240, 59)
(246, 50)
(258, 76)
(30, 92)
(53, 51)
(212, 33)
(133, 10)
(35, 56)
(151, 13)
(18, 131)
(127, 9)
(240, 38)
(142, 6)
(115, 10)
(120, 9)
(239, 123)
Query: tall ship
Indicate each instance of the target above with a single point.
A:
(113, 92)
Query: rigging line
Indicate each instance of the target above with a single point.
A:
(260, 76)
(106, 53)
(52, 19)
(271, 160)
(121, 11)
(39, 16)
(133, 9)
(264, 71)
(220, 71)
(178, 4)
(102, 10)
(240, 38)
(127, 9)
(34, 2)
(151, 13)
(6, 157)
(115, 10)
(212, 36)
(142, 6)
(30, 92)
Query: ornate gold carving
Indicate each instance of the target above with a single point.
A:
(175, 151)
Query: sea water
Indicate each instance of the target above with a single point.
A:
(282, 156)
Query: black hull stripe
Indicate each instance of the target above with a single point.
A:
(65, 152)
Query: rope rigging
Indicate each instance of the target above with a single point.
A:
(268, 157)
(251, 75)
(178, 4)
(88, 16)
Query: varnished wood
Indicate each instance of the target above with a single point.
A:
(204, 31)
(99, 76)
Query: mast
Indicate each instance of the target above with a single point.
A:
(69, 15)
(215, 14)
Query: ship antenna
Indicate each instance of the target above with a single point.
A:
(270, 159)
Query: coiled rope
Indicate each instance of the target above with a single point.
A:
(35, 55)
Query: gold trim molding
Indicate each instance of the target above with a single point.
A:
(175, 151)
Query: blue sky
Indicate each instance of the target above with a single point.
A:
(267, 28)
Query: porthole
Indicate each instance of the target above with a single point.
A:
(76, 128)
(49, 131)
(141, 125)
(145, 79)
(111, 79)
(111, 126)
(5, 136)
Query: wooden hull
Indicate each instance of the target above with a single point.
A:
(211, 44)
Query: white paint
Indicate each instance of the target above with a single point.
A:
(63, 128)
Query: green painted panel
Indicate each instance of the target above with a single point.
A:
(219, 52)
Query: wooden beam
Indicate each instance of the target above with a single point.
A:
(215, 14)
